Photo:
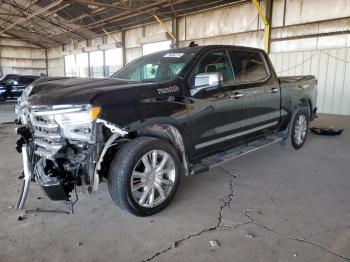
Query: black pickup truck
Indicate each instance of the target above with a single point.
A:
(160, 117)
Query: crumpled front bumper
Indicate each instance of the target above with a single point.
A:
(52, 186)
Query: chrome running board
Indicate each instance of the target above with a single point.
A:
(223, 157)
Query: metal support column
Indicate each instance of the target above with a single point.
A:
(266, 18)
(166, 29)
(123, 48)
(46, 63)
(175, 30)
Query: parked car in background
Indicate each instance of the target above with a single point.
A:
(12, 85)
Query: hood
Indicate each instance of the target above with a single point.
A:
(77, 90)
(47, 84)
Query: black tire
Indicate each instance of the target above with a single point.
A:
(290, 141)
(2, 98)
(122, 167)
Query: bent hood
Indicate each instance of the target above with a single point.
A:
(76, 90)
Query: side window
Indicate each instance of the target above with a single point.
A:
(12, 81)
(247, 66)
(216, 61)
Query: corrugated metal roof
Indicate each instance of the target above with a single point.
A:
(49, 23)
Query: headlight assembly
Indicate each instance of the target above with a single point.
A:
(75, 122)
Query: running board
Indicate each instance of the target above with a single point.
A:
(223, 157)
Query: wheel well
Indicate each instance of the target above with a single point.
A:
(169, 133)
(164, 131)
(305, 102)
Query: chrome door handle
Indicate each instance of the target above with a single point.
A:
(274, 90)
(237, 95)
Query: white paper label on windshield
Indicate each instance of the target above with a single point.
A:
(177, 55)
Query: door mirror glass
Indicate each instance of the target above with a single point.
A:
(213, 79)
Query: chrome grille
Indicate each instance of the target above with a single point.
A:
(47, 136)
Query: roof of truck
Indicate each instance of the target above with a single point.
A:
(215, 46)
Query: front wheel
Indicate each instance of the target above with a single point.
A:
(298, 129)
(2, 97)
(144, 176)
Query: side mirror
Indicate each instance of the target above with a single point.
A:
(205, 80)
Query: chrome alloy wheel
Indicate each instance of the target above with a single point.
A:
(300, 129)
(153, 178)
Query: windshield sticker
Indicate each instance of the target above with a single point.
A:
(177, 55)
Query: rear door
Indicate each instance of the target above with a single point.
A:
(262, 93)
(215, 113)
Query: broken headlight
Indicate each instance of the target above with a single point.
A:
(78, 124)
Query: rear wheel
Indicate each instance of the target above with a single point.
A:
(298, 129)
(144, 176)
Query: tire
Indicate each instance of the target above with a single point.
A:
(293, 140)
(2, 98)
(129, 169)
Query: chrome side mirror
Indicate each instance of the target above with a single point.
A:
(208, 79)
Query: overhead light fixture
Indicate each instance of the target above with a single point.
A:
(93, 6)
(56, 17)
(32, 29)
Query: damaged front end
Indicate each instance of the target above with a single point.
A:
(63, 147)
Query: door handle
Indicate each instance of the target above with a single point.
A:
(237, 95)
(274, 90)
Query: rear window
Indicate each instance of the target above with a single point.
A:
(248, 66)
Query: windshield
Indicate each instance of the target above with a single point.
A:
(156, 67)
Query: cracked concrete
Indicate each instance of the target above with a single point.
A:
(261, 207)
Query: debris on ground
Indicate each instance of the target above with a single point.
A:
(214, 243)
(245, 211)
(250, 235)
(22, 217)
(326, 131)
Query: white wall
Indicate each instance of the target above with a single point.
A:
(332, 69)
(20, 57)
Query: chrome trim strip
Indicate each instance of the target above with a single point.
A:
(222, 139)
(48, 146)
(27, 170)
(56, 111)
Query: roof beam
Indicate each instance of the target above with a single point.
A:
(63, 29)
(132, 13)
(88, 2)
(31, 15)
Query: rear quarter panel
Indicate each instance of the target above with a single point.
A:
(297, 91)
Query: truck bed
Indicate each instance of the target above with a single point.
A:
(294, 79)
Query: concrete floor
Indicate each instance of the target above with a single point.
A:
(270, 205)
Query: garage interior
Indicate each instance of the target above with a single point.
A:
(271, 205)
